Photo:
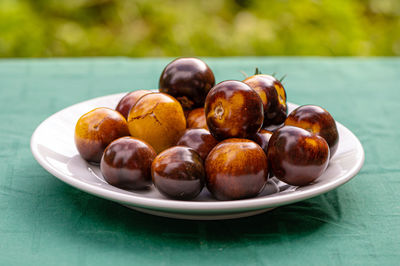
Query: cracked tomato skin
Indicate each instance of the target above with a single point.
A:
(96, 129)
(158, 119)
(273, 96)
(233, 110)
(188, 80)
(129, 100)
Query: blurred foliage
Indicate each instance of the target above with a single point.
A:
(45, 28)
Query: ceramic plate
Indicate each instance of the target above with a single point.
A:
(53, 146)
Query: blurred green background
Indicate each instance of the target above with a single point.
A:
(46, 28)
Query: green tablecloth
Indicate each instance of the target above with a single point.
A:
(46, 222)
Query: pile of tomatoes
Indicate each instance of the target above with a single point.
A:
(195, 133)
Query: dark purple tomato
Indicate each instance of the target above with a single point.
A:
(178, 173)
(262, 138)
(236, 169)
(126, 163)
(199, 139)
(188, 80)
(317, 120)
(233, 110)
(273, 96)
(296, 156)
(196, 119)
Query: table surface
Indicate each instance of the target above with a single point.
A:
(46, 222)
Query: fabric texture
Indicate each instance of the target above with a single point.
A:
(46, 222)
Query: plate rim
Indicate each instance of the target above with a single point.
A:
(192, 206)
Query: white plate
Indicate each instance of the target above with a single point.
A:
(52, 145)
